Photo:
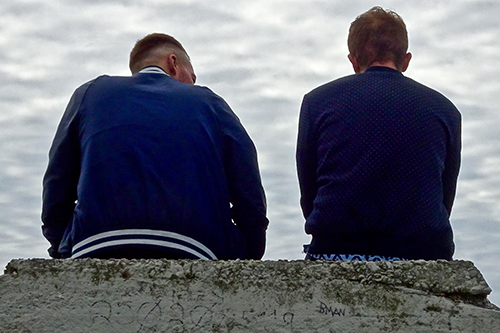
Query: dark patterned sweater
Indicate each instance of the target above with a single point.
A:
(378, 156)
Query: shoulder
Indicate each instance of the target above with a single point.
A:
(207, 97)
(337, 89)
(334, 85)
(201, 91)
(82, 89)
(341, 87)
(79, 94)
(217, 107)
(430, 96)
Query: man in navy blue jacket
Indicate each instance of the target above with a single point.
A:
(378, 155)
(152, 166)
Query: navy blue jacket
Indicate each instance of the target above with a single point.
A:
(378, 157)
(147, 161)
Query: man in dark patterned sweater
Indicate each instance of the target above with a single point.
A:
(378, 155)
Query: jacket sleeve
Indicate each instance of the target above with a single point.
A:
(306, 160)
(245, 187)
(61, 177)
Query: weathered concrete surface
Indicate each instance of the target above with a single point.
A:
(90, 295)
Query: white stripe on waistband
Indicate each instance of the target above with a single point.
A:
(145, 232)
(141, 241)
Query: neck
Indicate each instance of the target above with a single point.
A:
(388, 64)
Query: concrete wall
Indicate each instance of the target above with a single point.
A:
(90, 295)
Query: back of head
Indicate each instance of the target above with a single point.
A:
(148, 51)
(378, 36)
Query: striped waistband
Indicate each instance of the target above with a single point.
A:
(167, 239)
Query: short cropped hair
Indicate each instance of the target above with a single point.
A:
(148, 49)
(377, 36)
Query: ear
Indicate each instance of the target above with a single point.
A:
(355, 63)
(172, 64)
(406, 62)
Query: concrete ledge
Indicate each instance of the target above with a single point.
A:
(91, 295)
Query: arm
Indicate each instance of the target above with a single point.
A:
(62, 174)
(245, 188)
(306, 160)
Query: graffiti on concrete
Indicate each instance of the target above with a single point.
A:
(325, 309)
(180, 318)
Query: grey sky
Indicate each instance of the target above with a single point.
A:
(262, 56)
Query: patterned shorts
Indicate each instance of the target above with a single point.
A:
(350, 257)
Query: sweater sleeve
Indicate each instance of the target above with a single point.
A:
(62, 174)
(306, 160)
(452, 163)
(245, 187)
